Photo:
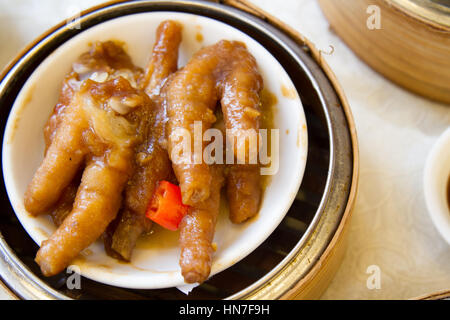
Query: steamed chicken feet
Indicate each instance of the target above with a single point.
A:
(112, 138)
(197, 232)
(98, 129)
(224, 72)
(228, 73)
(243, 191)
(164, 59)
(103, 58)
(153, 164)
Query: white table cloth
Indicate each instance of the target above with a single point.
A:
(391, 229)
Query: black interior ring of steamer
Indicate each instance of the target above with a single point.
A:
(17, 249)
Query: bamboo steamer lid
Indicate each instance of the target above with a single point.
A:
(412, 46)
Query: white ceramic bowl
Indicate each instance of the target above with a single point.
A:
(436, 177)
(155, 259)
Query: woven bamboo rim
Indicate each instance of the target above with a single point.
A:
(439, 295)
(317, 280)
(409, 49)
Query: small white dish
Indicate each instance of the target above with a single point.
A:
(436, 179)
(155, 260)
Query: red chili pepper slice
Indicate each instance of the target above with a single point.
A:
(166, 207)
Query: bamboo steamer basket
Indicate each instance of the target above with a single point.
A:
(439, 295)
(302, 255)
(412, 47)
